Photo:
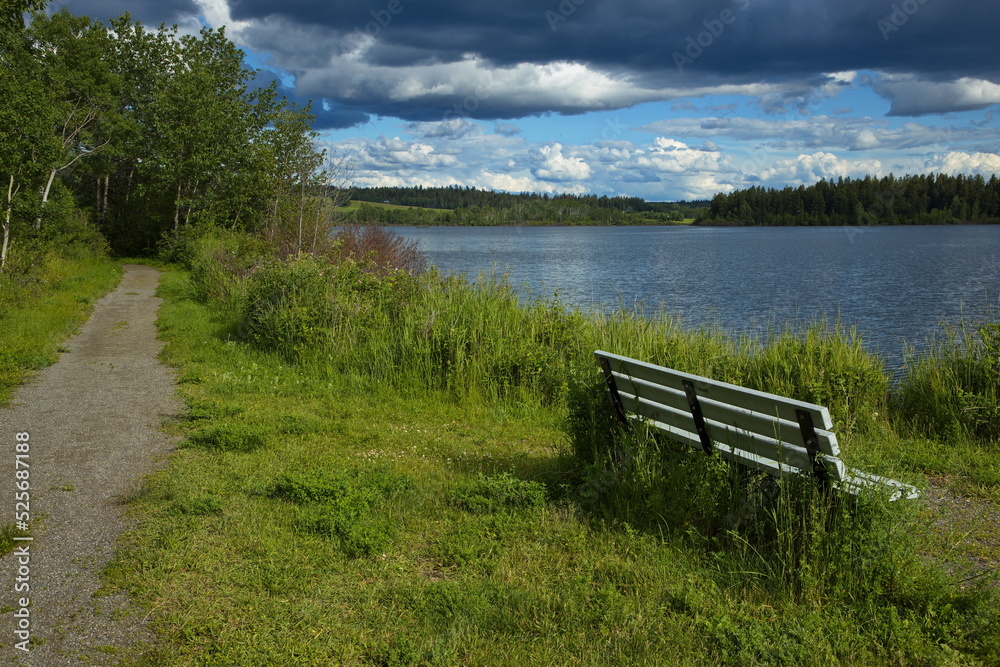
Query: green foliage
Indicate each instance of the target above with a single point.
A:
(344, 505)
(291, 305)
(219, 261)
(148, 131)
(822, 364)
(954, 390)
(470, 206)
(8, 533)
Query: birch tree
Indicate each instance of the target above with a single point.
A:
(74, 62)
(24, 110)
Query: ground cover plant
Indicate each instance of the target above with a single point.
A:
(381, 468)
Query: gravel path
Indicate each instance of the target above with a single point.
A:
(93, 422)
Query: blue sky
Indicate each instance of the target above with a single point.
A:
(663, 99)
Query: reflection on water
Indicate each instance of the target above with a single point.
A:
(895, 284)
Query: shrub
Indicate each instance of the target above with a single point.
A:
(378, 249)
(291, 305)
(306, 304)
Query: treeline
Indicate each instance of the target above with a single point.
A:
(471, 206)
(910, 200)
(454, 196)
(144, 133)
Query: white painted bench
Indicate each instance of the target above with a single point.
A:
(774, 434)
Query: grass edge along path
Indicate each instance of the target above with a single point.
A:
(44, 315)
(36, 319)
(318, 518)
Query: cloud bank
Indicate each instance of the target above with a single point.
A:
(436, 59)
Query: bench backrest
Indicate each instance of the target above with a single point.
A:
(764, 431)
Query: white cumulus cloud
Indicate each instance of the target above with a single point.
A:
(557, 167)
(956, 162)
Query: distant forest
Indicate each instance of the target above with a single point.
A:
(926, 199)
(471, 206)
(909, 200)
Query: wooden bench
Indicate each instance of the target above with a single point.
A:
(777, 435)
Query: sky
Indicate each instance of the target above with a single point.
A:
(662, 99)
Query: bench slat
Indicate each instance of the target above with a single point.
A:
(748, 399)
(755, 422)
(674, 422)
(747, 459)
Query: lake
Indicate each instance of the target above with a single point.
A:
(895, 284)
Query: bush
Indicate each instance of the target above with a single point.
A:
(291, 306)
(378, 248)
(306, 304)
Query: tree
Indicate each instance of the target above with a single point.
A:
(73, 52)
(25, 131)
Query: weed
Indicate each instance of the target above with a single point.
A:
(8, 533)
(498, 492)
(229, 437)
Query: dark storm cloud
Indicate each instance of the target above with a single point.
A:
(749, 38)
(417, 67)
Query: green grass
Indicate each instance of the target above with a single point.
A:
(423, 496)
(37, 317)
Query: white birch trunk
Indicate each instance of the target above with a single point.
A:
(6, 223)
(45, 199)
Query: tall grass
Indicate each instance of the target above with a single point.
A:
(954, 391)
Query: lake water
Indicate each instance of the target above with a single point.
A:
(895, 284)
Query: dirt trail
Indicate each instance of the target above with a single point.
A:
(93, 421)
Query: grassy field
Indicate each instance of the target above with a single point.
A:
(354, 205)
(419, 473)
